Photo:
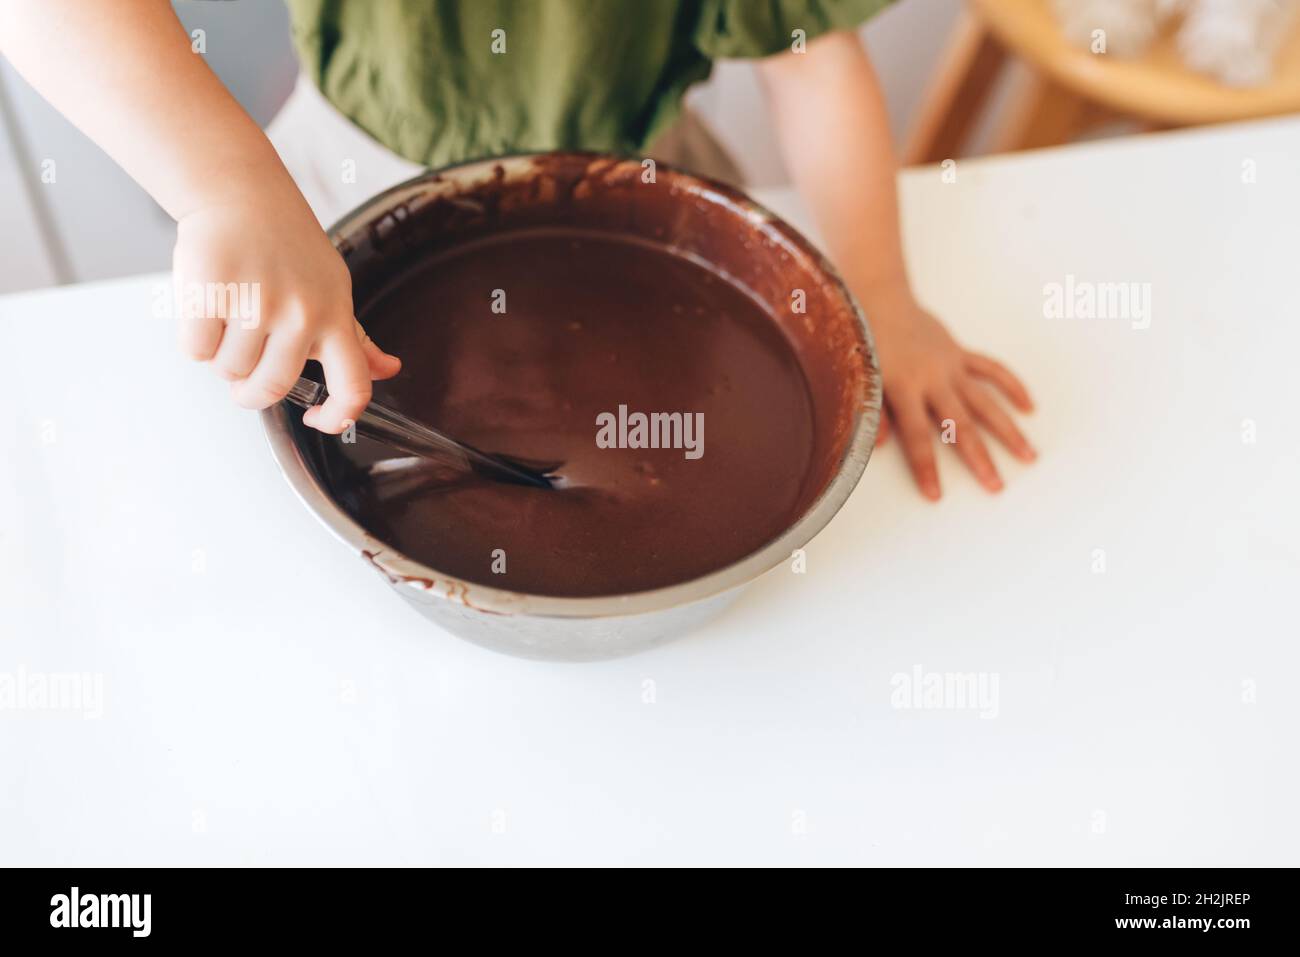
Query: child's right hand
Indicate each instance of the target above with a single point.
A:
(241, 218)
(302, 305)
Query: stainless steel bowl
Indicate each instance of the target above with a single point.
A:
(579, 629)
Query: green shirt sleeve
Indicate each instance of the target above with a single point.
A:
(441, 81)
(759, 28)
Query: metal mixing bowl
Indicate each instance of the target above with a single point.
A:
(574, 629)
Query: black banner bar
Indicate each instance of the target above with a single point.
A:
(211, 906)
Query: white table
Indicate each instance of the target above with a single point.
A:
(267, 700)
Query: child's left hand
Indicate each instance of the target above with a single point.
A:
(829, 115)
(931, 383)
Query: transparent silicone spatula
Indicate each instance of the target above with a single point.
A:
(404, 433)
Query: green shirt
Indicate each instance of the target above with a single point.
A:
(440, 81)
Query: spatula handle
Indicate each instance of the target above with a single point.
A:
(404, 433)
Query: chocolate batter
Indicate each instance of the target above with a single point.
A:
(593, 321)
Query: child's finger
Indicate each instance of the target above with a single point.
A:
(347, 377)
(950, 411)
(239, 352)
(199, 338)
(914, 434)
(1002, 377)
(382, 364)
(994, 418)
(882, 433)
(279, 368)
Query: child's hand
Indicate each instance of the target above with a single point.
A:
(241, 219)
(830, 119)
(934, 385)
(297, 299)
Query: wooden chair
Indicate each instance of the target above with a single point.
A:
(1072, 89)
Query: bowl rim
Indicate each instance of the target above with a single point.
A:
(422, 582)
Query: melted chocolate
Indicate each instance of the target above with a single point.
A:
(591, 323)
(662, 297)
